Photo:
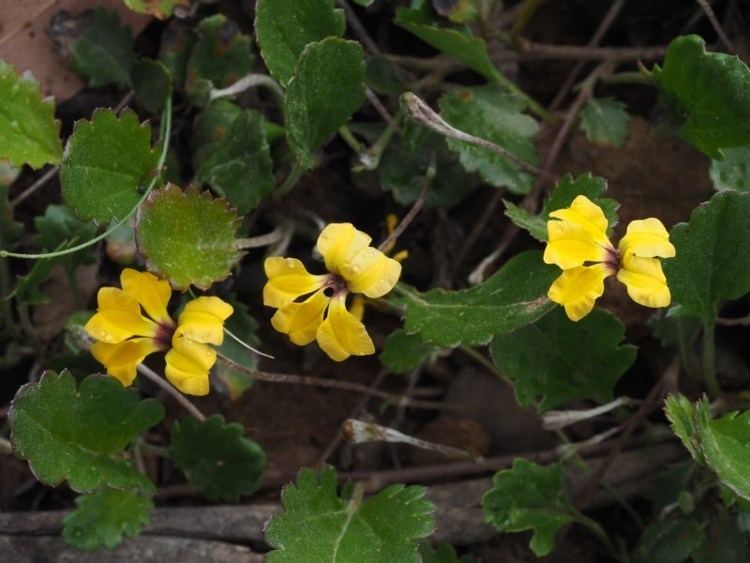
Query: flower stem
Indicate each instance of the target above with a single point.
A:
(709, 359)
(165, 128)
(164, 384)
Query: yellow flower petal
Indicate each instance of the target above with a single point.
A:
(570, 245)
(122, 358)
(357, 307)
(149, 291)
(339, 243)
(587, 214)
(371, 272)
(188, 364)
(301, 320)
(341, 335)
(287, 280)
(118, 317)
(578, 288)
(645, 281)
(202, 320)
(647, 238)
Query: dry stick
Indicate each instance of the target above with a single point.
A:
(650, 403)
(52, 172)
(711, 15)
(164, 384)
(530, 202)
(312, 381)
(606, 23)
(415, 209)
(358, 28)
(532, 51)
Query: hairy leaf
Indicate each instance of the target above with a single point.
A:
(723, 444)
(529, 497)
(152, 84)
(491, 114)
(104, 518)
(733, 172)
(31, 135)
(713, 250)
(554, 361)
(319, 525)
(513, 297)
(327, 88)
(105, 163)
(405, 352)
(187, 237)
(221, 56)
(709, 93)
(216, 457)
(104, 51)
(605, 121)
(239, 166)
(285, 27)
(76, 434)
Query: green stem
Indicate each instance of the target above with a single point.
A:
(709, 359)
(166, 128)
(350, 140)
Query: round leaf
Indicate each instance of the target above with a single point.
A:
(187, 237)
(106, 160)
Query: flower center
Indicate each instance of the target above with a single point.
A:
(613, 259)
(334, 285)
(163, 336)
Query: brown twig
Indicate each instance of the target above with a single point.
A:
(540, 51)
(312, 381)
(415, 209)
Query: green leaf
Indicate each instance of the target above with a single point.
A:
(245, 328)
(319, 525)
(554, 360)
(104, 518)
(327, 88)
(491, 114)
(105, 163)
(78, 435)
(529, 497)
(441, 553)
(669, 541)
(405, 352)
(732, 173)
(671, 329)
(177, 43)
(405, 162)
(161, 9)
(239, 166)
(221, 56)
(713, 251)
(216, 458)
(513, 297)
(282, 42)
(211, 127)
(152, 84)
(710, 93)
(104, 51)
(722, 444)
(187, 237)
(605, 121)
(31, 135)
(566, 190)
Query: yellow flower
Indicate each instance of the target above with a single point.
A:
(578, 243)
(313, 307)
(125, 335)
